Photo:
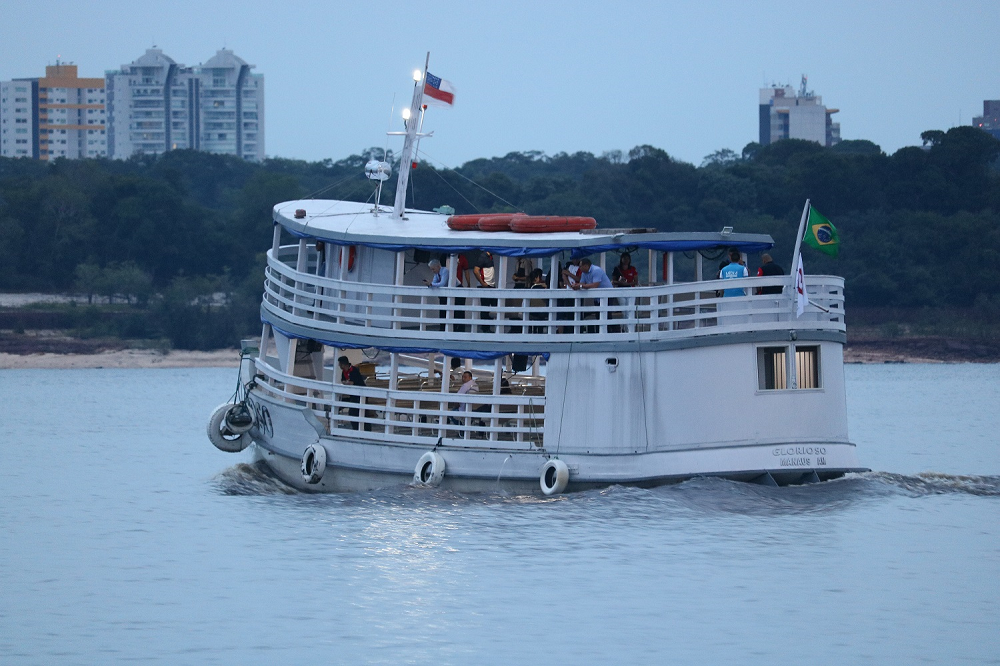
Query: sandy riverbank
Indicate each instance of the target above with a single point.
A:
(124, 358)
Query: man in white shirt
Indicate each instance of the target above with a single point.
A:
(468, 386)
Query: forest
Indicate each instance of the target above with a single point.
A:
(160, 238)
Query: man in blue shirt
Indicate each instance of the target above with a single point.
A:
(440, 278)
(592, 277)
(734, 270)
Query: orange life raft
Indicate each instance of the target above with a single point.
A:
(536, 224)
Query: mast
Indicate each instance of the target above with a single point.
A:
(412, 133)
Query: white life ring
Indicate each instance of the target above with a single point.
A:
(221, 436)
(554, 477)
(429, 470)
(313, 463)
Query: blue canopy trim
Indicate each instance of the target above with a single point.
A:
(476, 355)
(673, 246)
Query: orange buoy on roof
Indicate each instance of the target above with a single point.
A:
(499, 222)
(537, 224)
(463, 222)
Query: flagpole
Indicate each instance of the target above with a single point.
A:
(793, 370)
(798, 238)
(411, 135)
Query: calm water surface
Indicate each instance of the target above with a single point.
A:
(124, 536)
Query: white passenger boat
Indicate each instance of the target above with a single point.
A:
(577, 389)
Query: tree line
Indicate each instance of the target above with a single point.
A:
(920, 228)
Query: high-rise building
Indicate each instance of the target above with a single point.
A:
(59, 115)
(156, 105)
(990, 120)
(783, 114)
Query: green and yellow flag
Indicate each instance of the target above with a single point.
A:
(821, 234)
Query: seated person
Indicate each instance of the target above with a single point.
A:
(468, 386)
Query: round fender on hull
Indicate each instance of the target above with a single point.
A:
(313, 463)
(554, 477)
(238, 419)
(220, 434)
(429, 470)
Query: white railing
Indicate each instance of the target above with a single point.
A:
(650, 313)
(412, 416)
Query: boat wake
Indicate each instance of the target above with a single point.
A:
(251, 479)
(935, 483)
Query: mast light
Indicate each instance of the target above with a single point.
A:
(417, 75)
(406, 114)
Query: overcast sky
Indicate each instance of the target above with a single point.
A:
(549, 76)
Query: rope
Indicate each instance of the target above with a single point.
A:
(445, 166)
(562, 413)
(331, 186)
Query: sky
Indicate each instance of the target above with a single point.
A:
(547, 76)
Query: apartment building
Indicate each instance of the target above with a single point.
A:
(58, 115)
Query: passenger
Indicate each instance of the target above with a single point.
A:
(462, 272)
(537, 282)
(571, 274)
(320, 258)
(734, 270)
(468, 386)
(439, 280)
(625, 274)
(522, 273)
(567, 275)
(349, 375)
(718, 276)
(592, 277)
(770, 269)
(462, 279)
(485, 274)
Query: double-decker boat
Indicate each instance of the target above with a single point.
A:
(570, 389)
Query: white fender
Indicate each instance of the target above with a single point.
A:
(554, 477)
(313, 463)
(239, 419)
(429, 470)
(221, 436)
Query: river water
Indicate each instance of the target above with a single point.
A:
(124, 536)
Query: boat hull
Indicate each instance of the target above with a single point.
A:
(361, 464)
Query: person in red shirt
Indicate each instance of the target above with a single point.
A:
(625, 274)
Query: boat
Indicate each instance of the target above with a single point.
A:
(568, 389)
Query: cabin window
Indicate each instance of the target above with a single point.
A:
(807, 367)
(773, 370)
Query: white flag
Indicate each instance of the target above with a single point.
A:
(800, 289)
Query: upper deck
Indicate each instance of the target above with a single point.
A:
(367, 289)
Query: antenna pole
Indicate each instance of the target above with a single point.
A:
(412, 128)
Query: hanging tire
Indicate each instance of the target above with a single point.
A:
(238, 419)
(554, 477)
(429, 470)
(220, 434)
(313, 463)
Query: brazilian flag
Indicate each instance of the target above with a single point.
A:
(821, 234)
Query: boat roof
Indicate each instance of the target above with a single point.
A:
(355, 223)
